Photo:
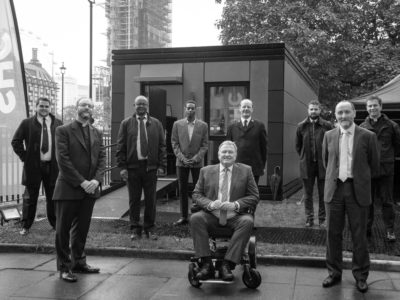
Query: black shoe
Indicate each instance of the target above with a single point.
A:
(362, 286)
(181, 221)
(225, 271)
(206, 271)
(137, 233)
(85, 269)
(369, 233)
(150, 235)
(68, 276)
(309, 224)
(331, 281)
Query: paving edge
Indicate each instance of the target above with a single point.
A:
(281, 260)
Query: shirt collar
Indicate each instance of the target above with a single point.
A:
(313, 121)
(248, 120)
(221, 168)
(144, 117)
(193, 122)
(40, 118)
(350, 130)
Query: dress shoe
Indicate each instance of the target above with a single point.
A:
(362, 286)
(322, 224)
(309, 224)
(150, 235)
(331, 281)
(181, 221)
(225, 271)
(86, 269)
(390, 236)
(136, 234)
(68, 276)
(24, 231)
(206, 271)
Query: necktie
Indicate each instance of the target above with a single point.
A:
(344, 155)
(143, 139)
(224, 197)
(45, 137)
(245, 124)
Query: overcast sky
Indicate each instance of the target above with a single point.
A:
(62, 27)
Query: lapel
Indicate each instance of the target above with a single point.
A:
(250, 125)
(215, 174)
(186, 131)
(92, 135)
(355, 143)
(336, 143)
(78, 133)
(233, 180)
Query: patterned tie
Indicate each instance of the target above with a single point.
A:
(344, 153)
(245, 124)
(143, 139)
(224, 197)
(45, 137)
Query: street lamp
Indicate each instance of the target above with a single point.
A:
(62, 69)
(91, 2)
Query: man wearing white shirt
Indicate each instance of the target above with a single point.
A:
(350, 155)
(227, 195)
(33, 142)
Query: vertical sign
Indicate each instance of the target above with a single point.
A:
(13, 100)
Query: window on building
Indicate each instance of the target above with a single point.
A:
(222, 105)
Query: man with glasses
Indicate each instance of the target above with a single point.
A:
(81, 160)
(190, 143)
(33, 142)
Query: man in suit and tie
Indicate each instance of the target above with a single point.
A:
(81, 160)
(250, 137)
(141, 155)
(350, 155)
(227, 195)
(33, 142)
(190, 143)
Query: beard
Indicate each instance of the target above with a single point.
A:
(314, 117)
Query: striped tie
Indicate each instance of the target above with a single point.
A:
(224, 193)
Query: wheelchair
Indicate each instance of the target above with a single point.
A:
(251, 277)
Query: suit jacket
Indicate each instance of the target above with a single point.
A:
(195, 148)
(251, 144)
(74, 159)
(304, 146)
(243, 187)
(365, 163)
(29, 133)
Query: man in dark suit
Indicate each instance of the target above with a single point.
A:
(250, 137)
(81, 160)
(141, 155)
(227, 195)
(350, 155)
(190, 143)
(40, 165)
(309, 135)
(388, 135)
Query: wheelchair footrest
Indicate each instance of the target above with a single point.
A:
(219, 281)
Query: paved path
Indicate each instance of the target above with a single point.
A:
(33, 276)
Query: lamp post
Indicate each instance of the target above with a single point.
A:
(91, 2)
(62, 69)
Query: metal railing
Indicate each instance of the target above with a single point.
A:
(11, 189)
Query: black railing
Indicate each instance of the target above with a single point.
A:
(11, 189)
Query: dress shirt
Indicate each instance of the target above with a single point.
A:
(45, 156)
(248, 121)
(190, 128)
(139, 153)
(350, 150)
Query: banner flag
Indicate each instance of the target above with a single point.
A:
(13, 101)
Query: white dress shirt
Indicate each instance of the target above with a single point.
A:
(45, 156)
(349, 154)
(190, 128)
(138, 148)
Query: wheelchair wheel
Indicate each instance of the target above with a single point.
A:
(193, 269)
(252, 252)
(251, 278)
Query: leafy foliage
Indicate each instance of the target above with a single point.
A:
(349, 47)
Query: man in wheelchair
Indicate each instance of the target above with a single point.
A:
(227, 196)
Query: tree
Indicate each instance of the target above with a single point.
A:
(349, 47)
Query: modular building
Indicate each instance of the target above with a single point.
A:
(218, 78)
